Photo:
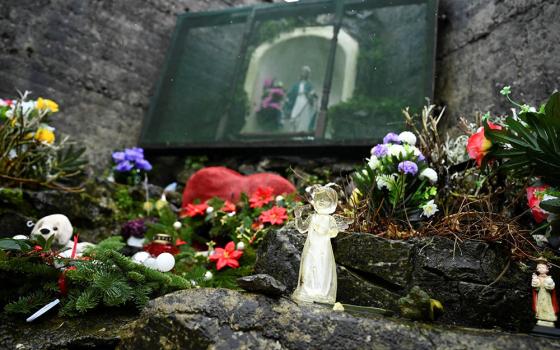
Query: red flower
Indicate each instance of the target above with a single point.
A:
(275, 216)
(226, 257)
(478, 145)
(179, 242)
(228, 207)
(257, 226)
(192, 210)
(262, 196)
(534, 199)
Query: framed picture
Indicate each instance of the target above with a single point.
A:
(311, 73)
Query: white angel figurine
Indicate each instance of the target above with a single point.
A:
(317, 271)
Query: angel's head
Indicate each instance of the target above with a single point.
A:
(324, 199)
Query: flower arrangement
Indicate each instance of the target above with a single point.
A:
(31, 154)
(130, 165)
(396, 185)
(527, 145)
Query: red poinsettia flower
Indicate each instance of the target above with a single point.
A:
(262, 196)
(228, 207)
(192, 210)
(226, 256)
(275, 216)
(535, 195)
(478, 145)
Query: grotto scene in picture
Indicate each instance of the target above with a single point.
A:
(279, 174)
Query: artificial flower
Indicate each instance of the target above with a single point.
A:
(143, 164)
(429, 174)
(192, 210)
(262, 196)
(257, 226)
(391, 138)
(407, 137)
(45, 134)
(535, 194)
(478, 145)
(118, 157)
(397, 150)
(134, 154)
(124, 166)
(408, 167)
(135, 228)
(386, 181)
(228, 207)
(275, 216)
(429, 209)
(373, 162)
(5, 103)
(379, 150)
(46, 104)
(226, 256)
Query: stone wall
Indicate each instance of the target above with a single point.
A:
(100, 59)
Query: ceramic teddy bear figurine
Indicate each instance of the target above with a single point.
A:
(317, 272)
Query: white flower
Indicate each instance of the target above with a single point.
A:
(429, 174)
(208, 275)
(407, 137)
(308, 189)
(209, 210)
(416, 151)
(429, 209)
(385, 181)
(397, 150)
(373, 162)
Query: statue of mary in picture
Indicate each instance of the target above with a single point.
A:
(300, 107)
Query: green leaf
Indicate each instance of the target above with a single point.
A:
(506, 90)
(551, 205)
(552, 107)
(13, 244)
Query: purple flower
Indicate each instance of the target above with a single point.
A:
(118, 157)
(421, 157)
(391, 138)
(408, 167)
(134, 154)
(143, 164)
(124, 166)
(135, 228)
(379, 150)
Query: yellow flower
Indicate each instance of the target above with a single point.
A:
(43, 103)
(44, 135)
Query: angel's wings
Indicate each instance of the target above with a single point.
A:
(342, 222)
(302, 214)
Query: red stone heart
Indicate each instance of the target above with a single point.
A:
(228, 185)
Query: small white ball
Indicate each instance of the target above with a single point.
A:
(150, 263)
(20, 237)
(209, 210)
(140, 257)
(279, 199)
(240, 246)
(208, 275)
(165, 262)
(177, 225)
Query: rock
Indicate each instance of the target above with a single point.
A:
(226, 319)
(279, 256)
(92, 331)
(474, 281)
(262, 283)
(387, 259)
